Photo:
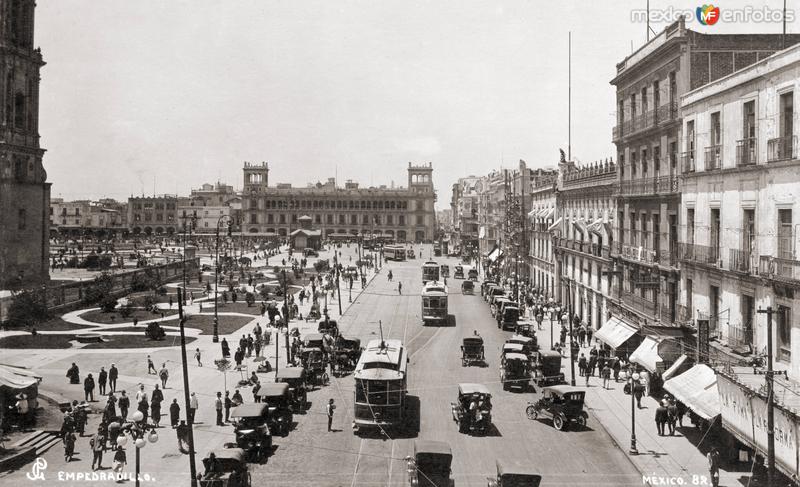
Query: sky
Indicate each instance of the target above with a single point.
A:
(162, 96)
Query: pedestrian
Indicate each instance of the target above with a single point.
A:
(713, 465)
(587, 378)
(124, 404)
(257, 345)
(226, 350)
(606, 374)
(237, 398)
(661, 417)
(197, 357)
(193, 405)
(638, 390)
(170, 302)
(329, 408)
(228, 403)
(113, 373)
(581, 335)
(97, 444)
(582, 365)
(592, 364)
(102, 378)
(672, 417)
(616, 368)
(155, 406)
(163, 374)
(74, 374)
(218, 406)
(151, 366)
(238, 356)
(249, 345)
(256, 389)
(88, 388)
(681, 411)
(589, 333)
(111, 407)
(399, 287)
(174, 413)
(644, 378)
(120, 460)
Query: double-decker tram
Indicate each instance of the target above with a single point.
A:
(434, 302)
(430, 271)
(381, 384)
(394, 252)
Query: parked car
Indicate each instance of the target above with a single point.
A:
(515, 372)
(458, 272)
(279, 400)
(430, 465)
(472, 274)
(562, 403)
(547, 368)
(225, 467)
(252, 430)
(470, 419)
(295, 377)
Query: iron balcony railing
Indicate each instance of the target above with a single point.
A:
(746, 152)
(649, 186)
(740, 260)
(713, 157)
(778, 268)
(701, 254)
(687, 161)
(781, 148)
(638, 303)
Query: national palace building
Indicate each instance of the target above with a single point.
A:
(404, 213)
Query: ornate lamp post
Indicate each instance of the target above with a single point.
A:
(137, 429)
(633, 379)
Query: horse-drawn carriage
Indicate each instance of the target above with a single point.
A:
(313, 359)
(346, 352)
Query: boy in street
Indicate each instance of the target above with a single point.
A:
(329, 408)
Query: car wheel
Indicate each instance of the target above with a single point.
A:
(531, 412)
(558, 422)
(581, 421)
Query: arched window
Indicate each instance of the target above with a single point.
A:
(19, 110)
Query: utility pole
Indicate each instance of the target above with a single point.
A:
(770, 401)
(571, 338)
(192, 466)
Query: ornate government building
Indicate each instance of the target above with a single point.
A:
(405, 213)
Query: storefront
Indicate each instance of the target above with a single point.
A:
(697, 389)
(619, 336)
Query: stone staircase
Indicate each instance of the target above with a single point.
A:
(40, 440)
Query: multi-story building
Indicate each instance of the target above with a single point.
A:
(587, 203)
(24, 192)
(405, 213)
(740, 208)
(105, 217)
(70, 217)
(153, 215)
(541, 217)
(491, 191)
(649, 84)
(464, 205)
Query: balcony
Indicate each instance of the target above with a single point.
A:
(687, 161)
(746, 153)
(700, 254)
(639, 254)
(779, 269)
(713, 157)
(649, 186)
(781, 148)
(638, 303)
(740, 261)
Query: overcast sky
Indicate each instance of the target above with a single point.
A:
(166, 95)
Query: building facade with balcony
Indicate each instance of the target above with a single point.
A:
(583, 239)
(404, 214)
(541, 217)
(491, 212)
(153, 215)
(649, 84)
(740, 207)
(464, 205)
(106, 217)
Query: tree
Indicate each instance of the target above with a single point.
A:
(250, 299)
(101, 287)
(28, 307)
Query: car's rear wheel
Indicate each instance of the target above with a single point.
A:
(531, 412)
(581, 421)
(559, 423)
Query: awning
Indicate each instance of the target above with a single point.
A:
(667, 375)
(580, 225)
(533, 214)
(16, 378)
(646, 354)
(550, 213)
(614, 333)
(697, 388)
(555, 225)
(495, 254)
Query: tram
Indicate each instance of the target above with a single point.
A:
(430, 271)
(381, 384)
(394, 252)
(434, 302)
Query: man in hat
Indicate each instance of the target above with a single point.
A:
(174, 413)
(329, 408)
(88, 388)
(124, 403)
(661, 417)
(113, 373)
(97, 442)
(102, 378)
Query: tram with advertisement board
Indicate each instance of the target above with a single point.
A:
(394, 252)
(434, 302)
(381, 384)
(430, 271)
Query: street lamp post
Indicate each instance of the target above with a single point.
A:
(217, 270)
(137, 429)
(634, 377)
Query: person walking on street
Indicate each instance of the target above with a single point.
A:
(113, 373)
(88, 388)
(605, 373)
(174, 413)
(713, 465)
(592, 364)
(672, 417)
(582, 335)
(197, 357)
(638, 390)
(589, 335)
(124, 404)
(218, 405)
(120, 460)
(163, 374)
(193, 405)
(661, 418)
(151, 368)
(97, 443)
(399, 288)
(616, 368)
(228, 404)
(226, 349)
(329, 408)
(155, 405)
(582, 365)
(102, 378)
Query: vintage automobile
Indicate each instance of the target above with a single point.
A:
(472, 351)
(496, 293)
(485, 285)
(295, 377)
(515, 372)
(410, 254)
(472, 274)
(477, 419)
(314, 340)
(445, 270)
(508, 316)
(279, 400)
(430, 465)
(309, 252)
(251, 426)
(547, 368)
(458, 273)
(225, 467)
(514, 474)
(529, 344)
(525, 328)
(346, 352)
(328, 327)
(562, 403)
(313, 359)
(510, 348)
(496, 304)
(467, 287)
